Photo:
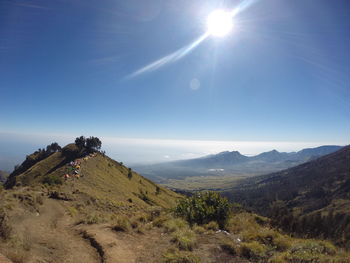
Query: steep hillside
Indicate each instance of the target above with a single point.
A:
(312, 198)
(98, 177)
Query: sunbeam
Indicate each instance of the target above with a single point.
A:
(169, 58)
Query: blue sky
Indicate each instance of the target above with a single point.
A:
(282, 74)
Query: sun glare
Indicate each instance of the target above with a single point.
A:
(220, 23)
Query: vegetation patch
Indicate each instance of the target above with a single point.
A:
(176, 256)
(185, 239)
(254, 250)
(229, 246)
(203, 208)
(5, 228)
(52, 180)
(175, 224)
(122, 224)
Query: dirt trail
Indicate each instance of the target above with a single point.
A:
(119, 247)
(49, 236)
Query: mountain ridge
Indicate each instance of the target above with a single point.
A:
(298, 197)
(231, 163)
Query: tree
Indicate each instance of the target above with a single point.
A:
(80, 142)
(93, 144)
(53, 147)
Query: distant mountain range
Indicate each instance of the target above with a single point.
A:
(233, 163)
(310, 198)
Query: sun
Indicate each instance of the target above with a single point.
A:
(220, 23)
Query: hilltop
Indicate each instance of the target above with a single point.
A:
(98, 177)
(312, 198)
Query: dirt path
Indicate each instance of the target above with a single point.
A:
(49, 236)
(119, 247)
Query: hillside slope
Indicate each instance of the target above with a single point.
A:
(312, 198)
(100, 177)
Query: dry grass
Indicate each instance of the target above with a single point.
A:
(175, 224)
(176, 256)
(17, 256)
(212, 226)
(5, 227)
(198, 229)
(185, 239)
(122, 224)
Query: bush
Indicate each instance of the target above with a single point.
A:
(52, 180)
(203, 208)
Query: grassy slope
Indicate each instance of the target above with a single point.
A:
(103, 179)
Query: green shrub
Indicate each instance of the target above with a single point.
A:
(52, 180)
(185, 239)
(203, 208)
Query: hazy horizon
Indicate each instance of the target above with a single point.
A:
(133, 151)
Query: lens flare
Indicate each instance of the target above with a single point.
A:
(220, 23)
